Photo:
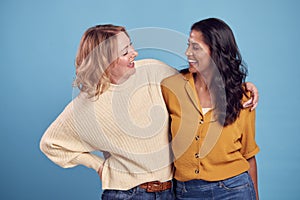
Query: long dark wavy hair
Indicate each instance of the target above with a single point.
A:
(228, 60)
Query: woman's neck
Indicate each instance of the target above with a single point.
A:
(201, 81)
(117, 80)
(202, 87)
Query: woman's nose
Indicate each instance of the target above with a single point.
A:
(188, 52)
(133, 52)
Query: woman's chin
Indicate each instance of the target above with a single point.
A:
(192, 70)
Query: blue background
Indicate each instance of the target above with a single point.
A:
(38, 44)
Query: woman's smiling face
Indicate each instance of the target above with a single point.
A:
(198, 53)
(123, 68)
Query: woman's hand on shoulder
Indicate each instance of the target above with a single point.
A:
(253, 101)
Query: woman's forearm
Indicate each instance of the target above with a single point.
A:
(253, 174)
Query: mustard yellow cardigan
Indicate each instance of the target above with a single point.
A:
(203, 149)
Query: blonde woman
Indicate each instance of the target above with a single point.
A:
(120, 112)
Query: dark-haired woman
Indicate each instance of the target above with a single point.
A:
(213, 141)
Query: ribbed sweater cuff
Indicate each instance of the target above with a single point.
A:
(89, 160)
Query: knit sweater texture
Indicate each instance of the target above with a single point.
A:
(128, 123)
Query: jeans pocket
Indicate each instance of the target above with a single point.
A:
(238, 182)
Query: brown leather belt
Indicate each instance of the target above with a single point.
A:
(156, 186)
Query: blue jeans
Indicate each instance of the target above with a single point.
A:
(137, 193)
(235, 188)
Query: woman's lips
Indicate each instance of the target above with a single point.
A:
(192, 62)
(131, 65)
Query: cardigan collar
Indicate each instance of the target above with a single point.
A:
(192, 94)
(191, 91)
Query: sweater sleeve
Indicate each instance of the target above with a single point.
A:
(249, 146)
(61, 144)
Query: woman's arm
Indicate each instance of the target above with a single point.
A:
(253, 173)
(62, 144)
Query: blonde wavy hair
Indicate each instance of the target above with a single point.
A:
(98, 50)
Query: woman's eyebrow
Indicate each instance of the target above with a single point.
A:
(127, 46)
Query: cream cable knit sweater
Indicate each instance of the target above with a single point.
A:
(128, 123)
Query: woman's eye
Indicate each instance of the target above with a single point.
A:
(196, 47)
(125, 53)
